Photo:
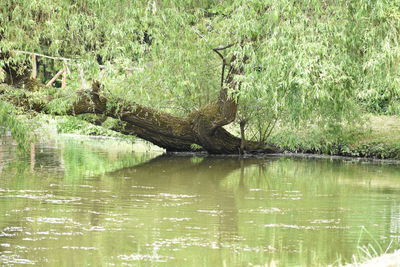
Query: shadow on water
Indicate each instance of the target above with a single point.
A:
(165, 168)
(192, 176)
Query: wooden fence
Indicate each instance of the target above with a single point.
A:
(63, 72)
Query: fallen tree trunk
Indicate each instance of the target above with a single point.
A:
(175, 134)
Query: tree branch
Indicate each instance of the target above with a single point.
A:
(216, 50)
(223, 47)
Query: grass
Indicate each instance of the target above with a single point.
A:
(381, 138)
(383, 129)
(378, 138)
(375, 253)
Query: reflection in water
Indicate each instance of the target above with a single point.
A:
(83, 203)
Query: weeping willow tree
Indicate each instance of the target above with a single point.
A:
(176, 72)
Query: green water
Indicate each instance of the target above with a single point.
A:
(93, 202)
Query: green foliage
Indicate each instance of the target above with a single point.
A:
(74, 125)
(315, 61)
(9, 122)
(62, 101)
(314, 139)
(318, 62)
(375, 249)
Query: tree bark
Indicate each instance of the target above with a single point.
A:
(175, 134)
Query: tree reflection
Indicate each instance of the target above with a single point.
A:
(199, 176)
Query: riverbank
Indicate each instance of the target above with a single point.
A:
(374, 136)
(378, 138)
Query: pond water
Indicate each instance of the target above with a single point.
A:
(75, 202)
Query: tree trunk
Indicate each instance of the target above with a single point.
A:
(175, 134)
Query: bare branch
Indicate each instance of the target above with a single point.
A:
(220, 55)
(223, 47)
(216, 50)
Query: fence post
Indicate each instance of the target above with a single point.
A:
(34, 67)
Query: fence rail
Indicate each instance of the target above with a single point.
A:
(65, 70)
